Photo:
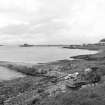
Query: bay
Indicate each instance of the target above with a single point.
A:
(38, 54)
(34, 55)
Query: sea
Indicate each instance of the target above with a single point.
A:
(38, 54)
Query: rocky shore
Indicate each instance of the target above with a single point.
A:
(44, 83)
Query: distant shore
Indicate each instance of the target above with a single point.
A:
(96, 46)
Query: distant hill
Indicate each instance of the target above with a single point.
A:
(102, 40)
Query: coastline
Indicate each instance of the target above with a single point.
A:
(40, 76)
(22, 65)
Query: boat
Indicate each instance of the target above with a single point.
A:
(75, 85)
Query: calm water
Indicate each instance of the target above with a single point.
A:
(33, 55)
(38, 54)
(6, 74)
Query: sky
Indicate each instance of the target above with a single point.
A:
(52, 21)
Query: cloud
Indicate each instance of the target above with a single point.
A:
(21, 11)
(19, 5)
(47, 26)
(35, 32)
(52, 21)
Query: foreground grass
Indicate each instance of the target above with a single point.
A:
(84, 96)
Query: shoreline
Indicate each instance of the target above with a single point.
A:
(28, 68)
(40, 78)
(22, 65)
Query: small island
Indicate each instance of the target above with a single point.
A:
(26, 45)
